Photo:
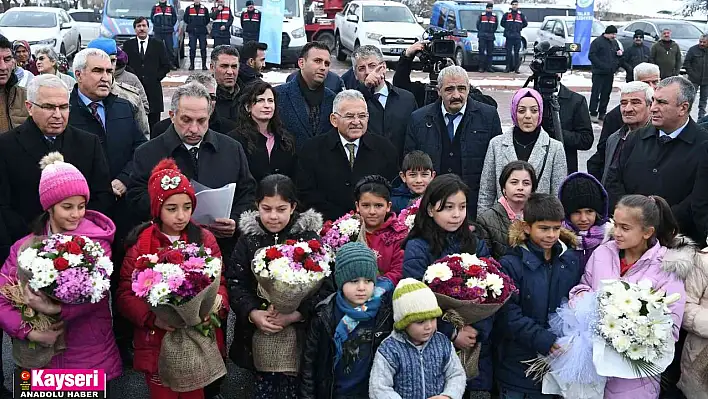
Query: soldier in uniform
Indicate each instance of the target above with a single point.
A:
(164, 18)
(196, 16)
(221, 25)
(250, 22)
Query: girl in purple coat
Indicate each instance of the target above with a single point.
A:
(63, 193)
(645, 246)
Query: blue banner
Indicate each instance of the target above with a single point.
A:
(584, 16)
(271, 32)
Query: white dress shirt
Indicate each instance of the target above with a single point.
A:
(458, 118)
(383, 95)
(675, 132)
(346, 150)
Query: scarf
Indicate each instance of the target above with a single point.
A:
(313, 98)
(353, 316)
(588, 239)
(510, 212)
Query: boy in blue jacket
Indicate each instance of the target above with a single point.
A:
(544, 269)
(416, 173)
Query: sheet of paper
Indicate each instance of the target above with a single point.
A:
(213, 203)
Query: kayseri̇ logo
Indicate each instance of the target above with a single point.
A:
(585, 3)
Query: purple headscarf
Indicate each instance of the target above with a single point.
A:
(526, 92)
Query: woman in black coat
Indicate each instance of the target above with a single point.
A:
(269, 147)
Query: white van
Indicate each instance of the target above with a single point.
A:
(294, 37)
(535, 14)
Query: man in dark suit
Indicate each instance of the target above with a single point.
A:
(390, 107)
(23, 147)
(213, 159)
(663, 159)
(148, 58)
(305, 104)
(216, 123)
(455, 131)
(330, 165)
(225, 67)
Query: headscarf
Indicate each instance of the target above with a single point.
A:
(526, 92)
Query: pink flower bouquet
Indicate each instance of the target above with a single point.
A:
(407, 215)
(343, 230)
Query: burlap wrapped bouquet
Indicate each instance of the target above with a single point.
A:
(286, 274)
(468, 289)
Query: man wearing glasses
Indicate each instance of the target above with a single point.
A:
(330, 165)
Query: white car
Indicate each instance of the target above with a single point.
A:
(561, 30)
(42, 27)
(88, 22)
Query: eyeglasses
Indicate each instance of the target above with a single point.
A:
(52, 107)
(350, 117)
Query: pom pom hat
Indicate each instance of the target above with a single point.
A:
(59, 181)
(413, 301)
(165, 181)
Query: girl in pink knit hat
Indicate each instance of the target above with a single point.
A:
(87, 328)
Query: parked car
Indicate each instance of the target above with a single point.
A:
(88, 22)
(42, 26)
(684, 33)
(535, 15)
(561, 30)
(388, 25)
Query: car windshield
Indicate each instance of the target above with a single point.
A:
(387, 14)
(291, 7)
(128, 9)
(597, 28)
(29, 19)
(681, 31)
(468, 19)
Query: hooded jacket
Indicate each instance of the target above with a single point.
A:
(666, 268)
(522, 328)
(243, 287)
(88, 327)
(386, 244)
(602, 219)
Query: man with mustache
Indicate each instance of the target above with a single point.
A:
(225, 67)
(12, 97)
(455, 131)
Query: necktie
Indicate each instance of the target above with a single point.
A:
(51, 142)
(142, 48)
(94, 111)
(665, 139)
(351, 147)
(451, 125)
(194, 151)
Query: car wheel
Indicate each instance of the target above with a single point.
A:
(460, 58)
(328, 39)
(341, 55)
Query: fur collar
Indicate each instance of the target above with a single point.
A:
(249, 223)
(517, 236)
(683, 256)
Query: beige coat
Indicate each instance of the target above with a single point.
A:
(694, 359)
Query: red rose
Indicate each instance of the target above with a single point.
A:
(142, 263)
(61, 264)
(298, 253)
(80, 241)
(273, 253)
(290, 242)
(73, 248)
(314, 245)
(474, 270)
(61, 248)
(174, 256)
(312, 266)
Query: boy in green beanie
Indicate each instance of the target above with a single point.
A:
(416, 361)
(348, 327)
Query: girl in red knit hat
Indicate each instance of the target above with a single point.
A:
(172, 201)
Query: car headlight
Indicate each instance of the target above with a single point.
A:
(105, 32)
(236, 31)
(475, 46)
(374, 36)
(47, 42)
(298, 33)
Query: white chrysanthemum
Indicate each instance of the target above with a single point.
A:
(410, 221)
(62, 238)
(104, 263)
(213, 268)
(74, 260)
(610, 326)
(628, 301)
(473, 282)
(304, 246)
(41, 265)
(100, 286)
(643, 331)
(612, 310)
(43, 278)
(437, 270)
(495, 283)
(26, 258)
(636, 352)
(621, 343)
(470, 259)
(349, 227)
(168, 270)
(158, 294)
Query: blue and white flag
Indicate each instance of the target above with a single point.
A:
(584, 17)
(271, 33)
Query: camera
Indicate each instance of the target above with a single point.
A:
(438, 49)
(549, 61)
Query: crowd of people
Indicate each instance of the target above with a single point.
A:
(84, 152)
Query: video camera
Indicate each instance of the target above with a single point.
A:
(549, 61)
(438, 49)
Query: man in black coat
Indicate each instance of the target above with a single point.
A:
(253, 55)
(663, 159)
(330, 165)
(605, 58)
(23, 147)
(390, 107)
(575, 122)
(148, 58)
(455, 131)
(224, 66)
(212, 159)
(635, 55)
(644, 72)
(216, 123)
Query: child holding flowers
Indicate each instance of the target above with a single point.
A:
(645, 246)
(86, 328)
(383, 232)
(276, 221)
(347, 328)
(172, 201)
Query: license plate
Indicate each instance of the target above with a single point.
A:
(498, 58)
(396, 51)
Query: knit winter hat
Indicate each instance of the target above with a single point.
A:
(526, 92)
(165, 181)
(354, 260)
(60, 180)
(105, 44)
(582, 192)
(413, 301)
(610, 29)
